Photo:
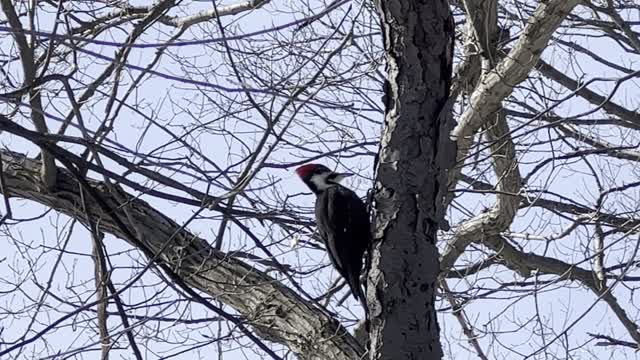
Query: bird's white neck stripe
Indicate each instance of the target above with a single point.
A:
(320, 181)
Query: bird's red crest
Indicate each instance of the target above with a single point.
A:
(305, 170)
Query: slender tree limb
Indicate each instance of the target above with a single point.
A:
(104, 284)
(101, 296)
(458, 311)
(214, 13)
(524, 263)
(610, 341)
(632, 117)
(632, 36)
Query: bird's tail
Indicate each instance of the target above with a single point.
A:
(363, 300)
(358, 293)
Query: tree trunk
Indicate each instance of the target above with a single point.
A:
(410, 178)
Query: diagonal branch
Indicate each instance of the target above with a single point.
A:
(276, 313)
(213, 13)
(498, 83)
(632, 117)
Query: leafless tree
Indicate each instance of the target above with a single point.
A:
(150, 211)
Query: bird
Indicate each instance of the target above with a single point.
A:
(342, 221)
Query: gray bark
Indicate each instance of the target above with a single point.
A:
(411, 173)
(275, 312)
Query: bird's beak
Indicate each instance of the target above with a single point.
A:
(340, 176)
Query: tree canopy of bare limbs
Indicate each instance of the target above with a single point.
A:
(150, 210)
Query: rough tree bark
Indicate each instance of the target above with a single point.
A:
(411, 173)
(275, 312)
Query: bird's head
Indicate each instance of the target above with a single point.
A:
(319, 177)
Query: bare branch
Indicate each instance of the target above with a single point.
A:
(276, 313)
(498, 83)
(633, 117)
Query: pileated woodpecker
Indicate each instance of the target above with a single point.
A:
(343, 223)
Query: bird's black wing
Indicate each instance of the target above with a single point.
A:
(344, 225)
(331, 225)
